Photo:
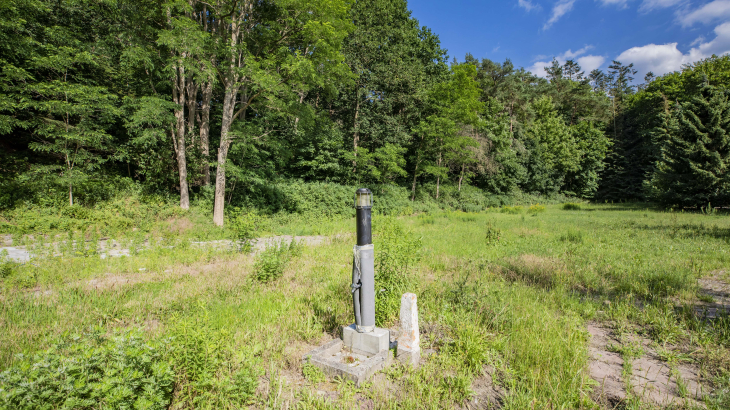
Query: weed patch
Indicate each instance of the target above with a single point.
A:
(512, 210)
(86, 371)
(396, 252)
(272, 261)
(536, 209)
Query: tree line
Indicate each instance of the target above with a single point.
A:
(192, 97)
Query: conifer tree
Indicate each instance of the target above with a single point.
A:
(693, 169)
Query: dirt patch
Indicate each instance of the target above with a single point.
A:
(487, 394)
(652, 381)
(605, 367)
(180, 225)
(715, 295)
(111, 281)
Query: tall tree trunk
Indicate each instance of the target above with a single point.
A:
(229, 104)
(356, 135)
(438, 178)
(207, 95)
(70, 195)
(192, 101)
(178, 96)
(461, 177)
(413, 188)
(231, 87)
(415, 170)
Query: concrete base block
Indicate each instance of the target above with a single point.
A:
(408, 356)
(337, 360)
(366, 343)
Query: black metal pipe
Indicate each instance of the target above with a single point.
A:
(364, 226)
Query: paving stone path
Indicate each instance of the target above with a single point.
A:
(112, 248)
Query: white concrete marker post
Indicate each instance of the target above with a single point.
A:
(409, 349)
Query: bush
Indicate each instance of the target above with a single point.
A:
(536, 209)
(513, 210)
(211, 373)
(7, 267)
(571, 206)
(494, 234)
(396, 251)
(272, 261)
(243, 227)
(90, 372)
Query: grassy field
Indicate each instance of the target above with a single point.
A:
(506, 299)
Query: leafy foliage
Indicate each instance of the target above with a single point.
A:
(396, 252)
(272, 261)
(83, 372)
(210, 373)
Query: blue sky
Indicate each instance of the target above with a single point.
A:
(655, 35)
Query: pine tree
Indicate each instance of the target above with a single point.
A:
(693, 169)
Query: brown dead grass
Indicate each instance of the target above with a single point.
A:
(537, 270)
(523, 232)
(179, 225)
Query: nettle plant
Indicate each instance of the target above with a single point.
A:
(90, 372)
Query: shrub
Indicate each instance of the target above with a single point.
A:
(211, 373)
(396, 252)
(494, 234)
(7, 267)
(89, 372)
(243, 227)
(571, 206)
(513, 210)
(272, 261)
(573, 235)
(536, 209)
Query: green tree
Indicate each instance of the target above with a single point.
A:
(269, 53)
(395, 62)
(455, 105)
(693, 169)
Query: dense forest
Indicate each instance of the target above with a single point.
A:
(225, 100)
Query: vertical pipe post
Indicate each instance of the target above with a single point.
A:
(364, 261)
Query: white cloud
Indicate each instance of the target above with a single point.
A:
(661, 59)
(621, 3)
(712, 11)
(588, 63)
(569, 55)
(649, 5)
(561, 8)
(527, 5)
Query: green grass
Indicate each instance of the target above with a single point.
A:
(504, 292)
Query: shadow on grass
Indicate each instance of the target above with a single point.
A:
(688, 231)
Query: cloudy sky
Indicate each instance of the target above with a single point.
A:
(655, 35)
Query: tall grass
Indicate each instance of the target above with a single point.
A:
(499, 293)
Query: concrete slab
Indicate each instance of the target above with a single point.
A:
(366, 343)
(336, 360)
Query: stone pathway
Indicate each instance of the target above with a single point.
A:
(652, 380)
(112, 248)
